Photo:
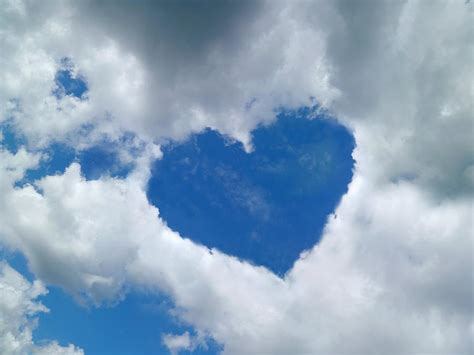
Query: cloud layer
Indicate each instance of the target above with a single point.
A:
(393, 272)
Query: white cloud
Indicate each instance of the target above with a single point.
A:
(405, 89)
(18, 307)
(376, 263)
(54, 349)
(393, 273)
(179, 342)
(172, 85)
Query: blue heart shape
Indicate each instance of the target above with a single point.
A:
(266, 206)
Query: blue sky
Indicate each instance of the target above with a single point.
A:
(266, 206)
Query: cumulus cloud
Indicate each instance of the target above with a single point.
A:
(402, 67)
(180, 342)
(202, 71)
(375, 264)
(18, 307)
(393, 272)
(393, 71)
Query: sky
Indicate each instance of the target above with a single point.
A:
(236, 177)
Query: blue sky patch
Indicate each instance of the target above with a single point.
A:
(67, 82)
(134, 326)
(97, 161)
(102, 160)
(267, 206)
(11, 140)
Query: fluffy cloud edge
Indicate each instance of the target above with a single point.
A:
(19, 309)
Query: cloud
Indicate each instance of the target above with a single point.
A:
(397, 78)
(402, 69)
(176, 343)
(18, 306)
(393, 272)
(346, 288)
(172, 85)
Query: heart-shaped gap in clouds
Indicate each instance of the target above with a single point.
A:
(266, 206)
